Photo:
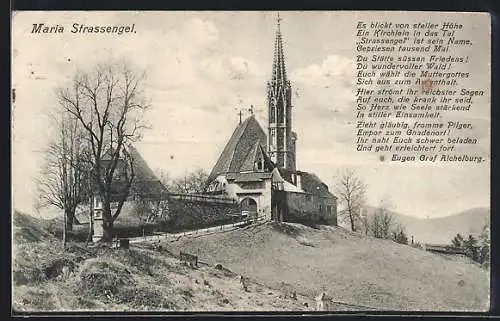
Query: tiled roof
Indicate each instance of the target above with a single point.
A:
(145, 181)
(310, 183)
(141, 168)
(246, 143)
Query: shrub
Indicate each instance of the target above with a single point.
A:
(54, 267)
(139, 296)
(101, 276)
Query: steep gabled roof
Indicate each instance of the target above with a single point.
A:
(145, 181)
(311, 183)
(141, 168)
(253, 156)
(246, 143)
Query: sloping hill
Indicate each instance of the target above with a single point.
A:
(470, 221)
(27, 228)
(441, 230)
(147, 278)
(352, 268)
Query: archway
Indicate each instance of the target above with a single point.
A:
(248, 207)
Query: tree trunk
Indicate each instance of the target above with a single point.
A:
(351, 217)
(107, 223)
(91, 223)
(70, 216)
(65, 228)
(107, 228)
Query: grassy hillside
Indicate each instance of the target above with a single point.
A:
(128, 224)
(358, 272)
(441, 230)
(139, 279)
(352, 268)
(26, 228)
(143, 278)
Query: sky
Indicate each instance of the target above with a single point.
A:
(204, 67)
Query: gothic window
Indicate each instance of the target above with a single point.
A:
(281, 118)
(272, 110)
(280, 138)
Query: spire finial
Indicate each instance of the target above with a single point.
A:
(251, 109)
(279, 73)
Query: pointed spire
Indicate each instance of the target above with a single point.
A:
(279, 71)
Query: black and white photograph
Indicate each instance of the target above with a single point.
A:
(216, 161)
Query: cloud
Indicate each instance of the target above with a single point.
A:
(324, 95)
(332, 71)
(326, 88)
(200, 31)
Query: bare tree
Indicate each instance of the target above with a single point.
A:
(382, 221)
(108, 102)
(365, 221)
(165, 179)
(63, 179)
(191, 183)
(352, 194)
(399, 235)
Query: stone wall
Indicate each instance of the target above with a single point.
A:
(187, 214)
(307, 208)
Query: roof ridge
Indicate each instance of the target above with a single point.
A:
(228, 151)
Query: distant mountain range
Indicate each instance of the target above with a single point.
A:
(441, 230)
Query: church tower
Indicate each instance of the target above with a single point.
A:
(281, 138)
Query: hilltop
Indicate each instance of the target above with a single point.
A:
(142, 278)
(353, 268)
(361, 273)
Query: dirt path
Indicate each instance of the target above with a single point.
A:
(176, 236)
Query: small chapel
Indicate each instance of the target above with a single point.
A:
(259, 170)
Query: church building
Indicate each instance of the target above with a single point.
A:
(259, 170)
